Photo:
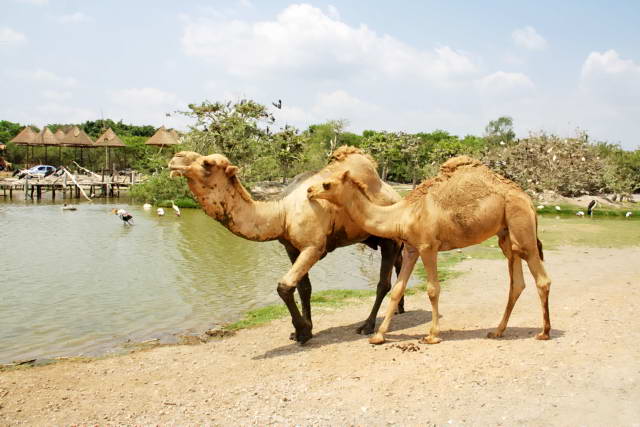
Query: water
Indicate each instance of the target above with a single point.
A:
(82, 283)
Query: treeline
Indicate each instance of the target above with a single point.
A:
(247, 133)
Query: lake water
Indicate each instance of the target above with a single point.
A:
(82, 283)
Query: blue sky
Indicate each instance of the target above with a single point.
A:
(404, 65)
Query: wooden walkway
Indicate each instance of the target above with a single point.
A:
(93, 186)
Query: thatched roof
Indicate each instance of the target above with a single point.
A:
(109, 139)
(59, 134)
(46, 137)
(163, 137)
(77, 138)
(27, 136)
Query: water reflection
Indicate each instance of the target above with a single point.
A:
(81, 282)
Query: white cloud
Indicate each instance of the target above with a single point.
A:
(54, 112)
(612, 79)
(147, 105)
(141, 97)
(57, 95)
(305, 42)
(74, 18)
(50, 77)
(9, 36)
(528, 38)
(502, 82)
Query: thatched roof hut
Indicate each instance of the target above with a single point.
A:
(76, 137)
(59, 134)
(46, 138)
(27, 136)
(109, 139)
(163, 137)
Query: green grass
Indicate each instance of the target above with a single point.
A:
(599, 212)
(181, 203)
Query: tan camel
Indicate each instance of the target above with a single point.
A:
(464, 205)
(308, 230)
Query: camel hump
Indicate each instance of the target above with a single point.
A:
(458, 162)
(342, 153)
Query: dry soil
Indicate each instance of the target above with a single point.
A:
(587, 374)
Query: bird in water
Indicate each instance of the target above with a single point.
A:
(579, 213)
(628, 214)
(160, 211)
(146, 206)
(175, 208)
(67, 207)
(592, 205)
(558, 208)
(125, 216)
(540, 207)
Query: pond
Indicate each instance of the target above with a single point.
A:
(81, 283)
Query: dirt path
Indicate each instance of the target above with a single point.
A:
(587, 374)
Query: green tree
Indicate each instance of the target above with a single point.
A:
(288, 146)
(500, 131)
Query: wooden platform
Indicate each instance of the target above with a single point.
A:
(93, 186)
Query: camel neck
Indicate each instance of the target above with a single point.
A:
(382, 221)
(233, 207)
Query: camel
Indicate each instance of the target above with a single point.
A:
(308, 230)
(464, 205)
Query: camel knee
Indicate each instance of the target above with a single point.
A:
(544, 285)
(284, 289)
(433, 290)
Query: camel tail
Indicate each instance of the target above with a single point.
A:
(540, 249)
(539, 242)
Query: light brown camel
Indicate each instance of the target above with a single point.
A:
(308, 230)
(464, 205)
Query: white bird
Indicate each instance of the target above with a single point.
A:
(540, 206)
(628, 214)
(146, 206)
(160, 211)
(558, 208)
(580, 213)
(175, 208)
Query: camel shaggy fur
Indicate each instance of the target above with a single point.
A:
(307, 229)
(464, 205)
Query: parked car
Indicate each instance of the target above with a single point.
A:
(39, 171)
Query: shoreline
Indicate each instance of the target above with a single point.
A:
(588, 372)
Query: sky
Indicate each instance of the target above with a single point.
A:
(413, 66)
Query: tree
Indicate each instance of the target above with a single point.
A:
(238, 130)
(288, 146)
(500, 131)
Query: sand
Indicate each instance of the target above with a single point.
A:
(587, 374)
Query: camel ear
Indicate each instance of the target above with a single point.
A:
(231, 170)
(345, 175)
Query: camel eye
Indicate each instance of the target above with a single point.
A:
(326, 185)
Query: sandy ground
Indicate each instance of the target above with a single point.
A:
(587, 374)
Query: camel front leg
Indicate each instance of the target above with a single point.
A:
(430, 261)
(287, 285)
(409, 258)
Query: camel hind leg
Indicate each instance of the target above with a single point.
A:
(516, 282)
(390, 255)
(521, 221)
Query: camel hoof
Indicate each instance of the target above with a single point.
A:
(494, 335)
(431, 340)
(376, 339)
(365, 329)
(292, 336)
(542, 336)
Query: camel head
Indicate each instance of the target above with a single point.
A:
(336, 189)
(209, 169)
